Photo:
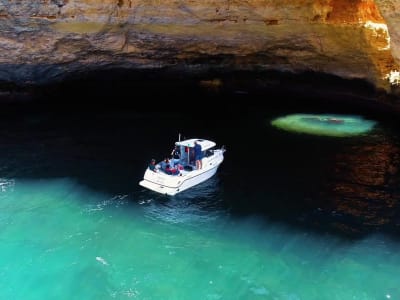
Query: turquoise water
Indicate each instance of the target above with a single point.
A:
(60, 240)
(75, 224)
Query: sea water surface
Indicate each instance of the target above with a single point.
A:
(287, 216)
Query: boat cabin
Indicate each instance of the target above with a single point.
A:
(175, 175)
(186, 148)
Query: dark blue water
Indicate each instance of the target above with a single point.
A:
(287, 216)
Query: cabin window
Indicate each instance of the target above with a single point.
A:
(208, 153)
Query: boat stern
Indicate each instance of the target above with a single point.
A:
(158, 188)
(161, 182)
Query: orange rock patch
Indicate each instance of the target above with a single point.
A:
(354, 11)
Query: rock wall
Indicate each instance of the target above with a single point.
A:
(45, 40)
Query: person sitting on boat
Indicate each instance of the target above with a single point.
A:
(167, 168)
(175, 156)
(171, 171)
(165, 164)
(152, 165)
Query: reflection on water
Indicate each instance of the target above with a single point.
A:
(361, 194)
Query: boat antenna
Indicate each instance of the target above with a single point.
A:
(179, 137)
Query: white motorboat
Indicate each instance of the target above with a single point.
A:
(183, 175)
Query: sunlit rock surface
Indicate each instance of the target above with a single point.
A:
(45, 40)
(325, 124)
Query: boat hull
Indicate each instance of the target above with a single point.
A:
(196, 178)
(163, 183)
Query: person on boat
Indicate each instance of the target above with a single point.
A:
(175, 156)
(165, 164)
(152, 165)
(171, 170)
(198, 155)
(168, 168)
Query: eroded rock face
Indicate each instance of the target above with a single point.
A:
(43, 40)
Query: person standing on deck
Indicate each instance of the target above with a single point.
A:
(198, 155)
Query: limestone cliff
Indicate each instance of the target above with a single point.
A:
(44, 40)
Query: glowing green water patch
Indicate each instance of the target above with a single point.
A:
(325, 124)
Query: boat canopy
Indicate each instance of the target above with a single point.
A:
(205, 144)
